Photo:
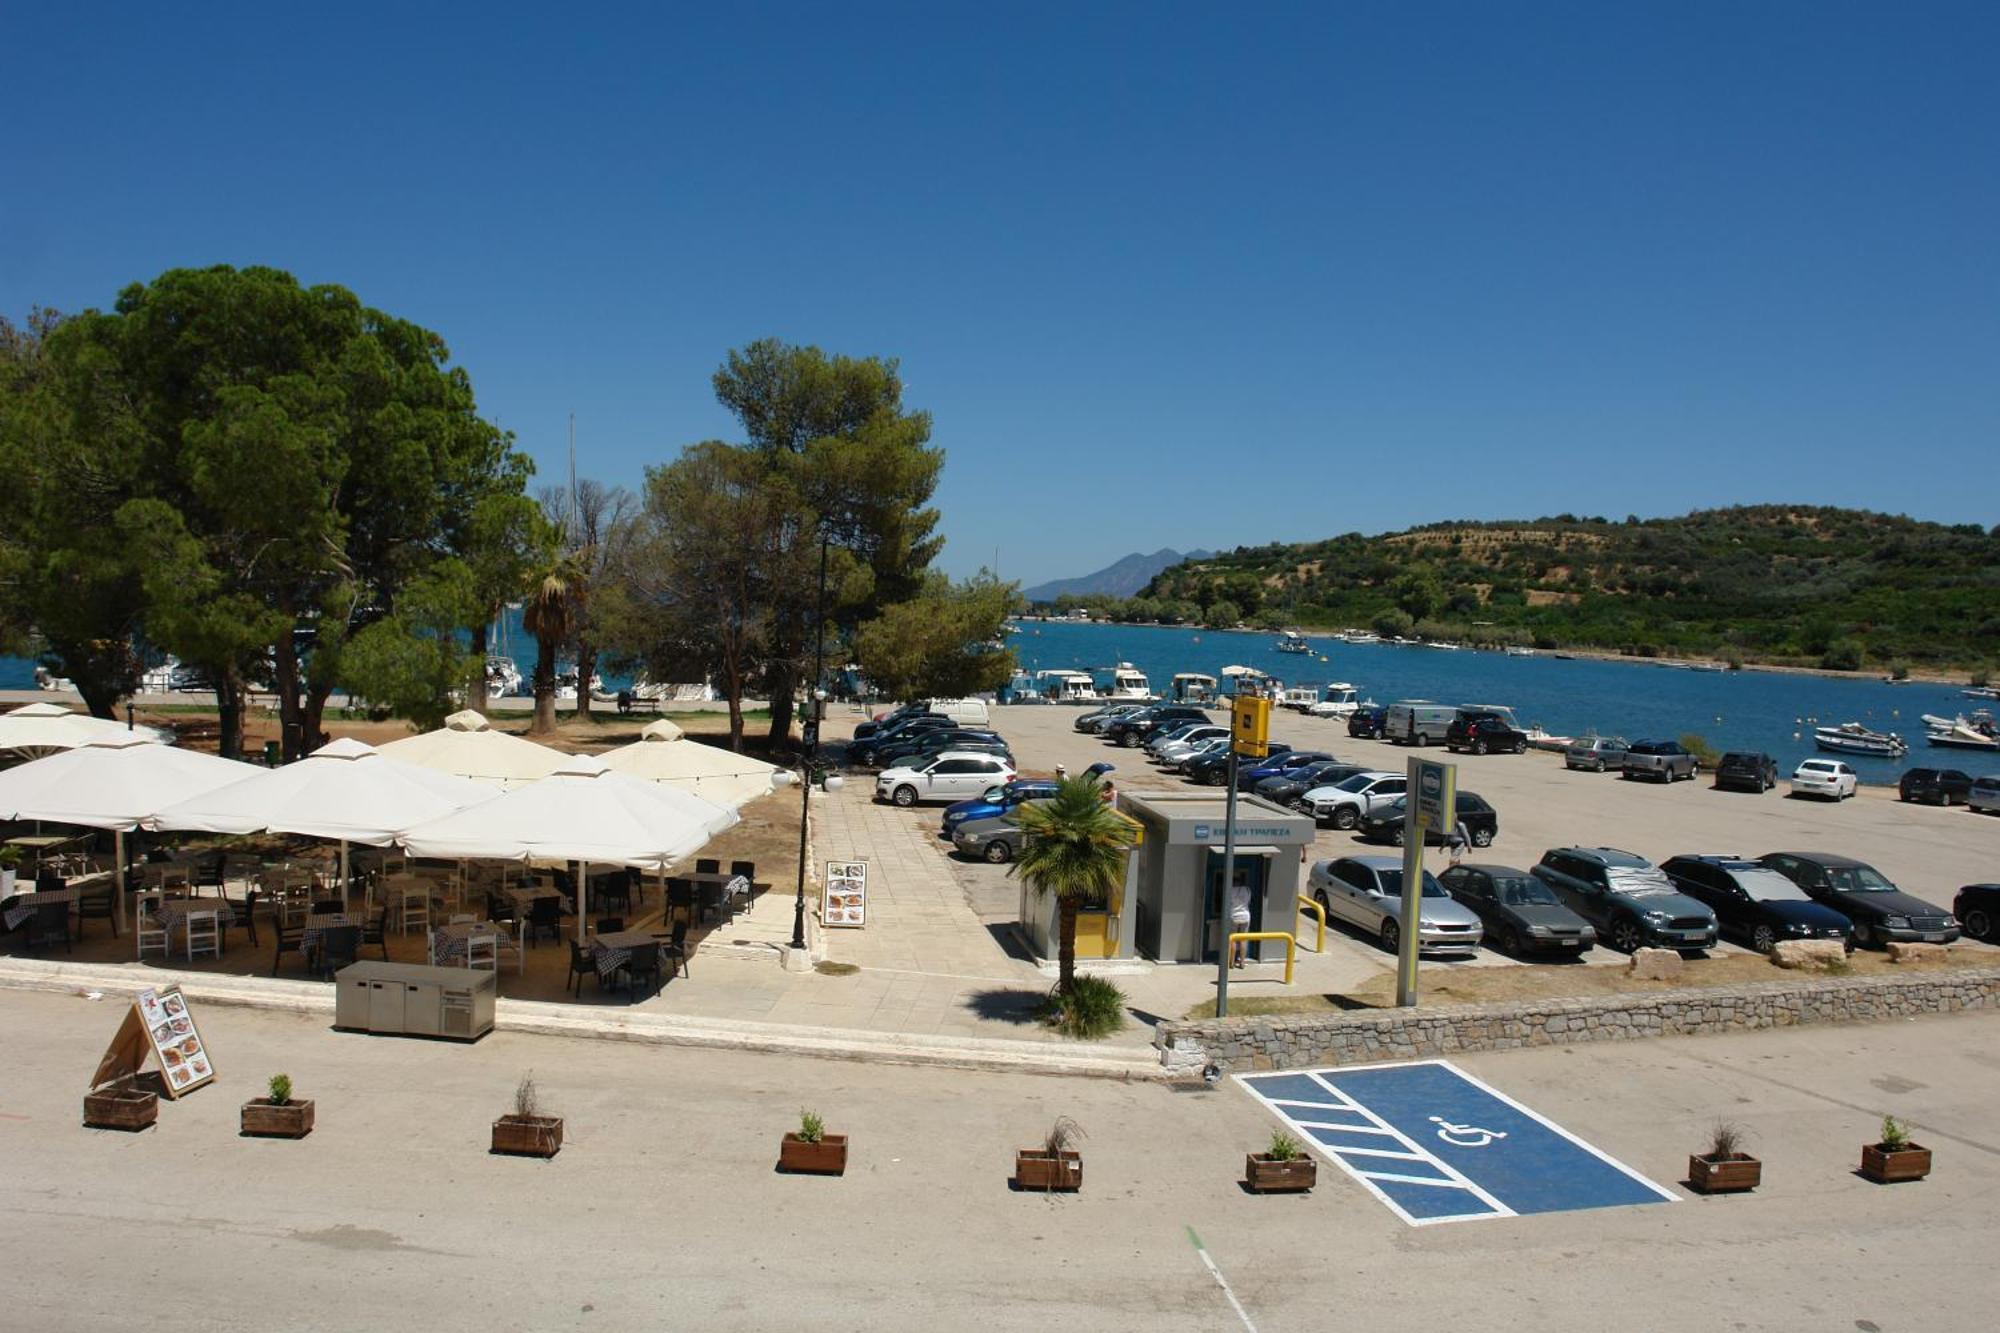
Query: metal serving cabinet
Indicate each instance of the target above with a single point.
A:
(409, 1000)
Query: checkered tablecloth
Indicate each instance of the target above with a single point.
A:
(317, 924)
(173, 915)
(453, 944)
(612, 951)
(524, 900)
(22, 906)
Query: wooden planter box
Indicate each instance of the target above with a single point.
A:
(1733, 1174)
(1035, 1169)
(528, 1135)
(828, 1157)
(1886, 1166)
(120, 1108)
(265, 1119)
(1265, 1174)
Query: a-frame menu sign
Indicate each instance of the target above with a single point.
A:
(159, 1026)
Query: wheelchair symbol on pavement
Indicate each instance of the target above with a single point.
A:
(1465, 1136)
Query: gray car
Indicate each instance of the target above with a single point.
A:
(1595, 754)
(1367, 891)
(997, 839)
(1629, 899)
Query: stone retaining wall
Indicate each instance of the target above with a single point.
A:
(1295, 1041)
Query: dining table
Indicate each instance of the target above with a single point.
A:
(451, 945)
(612, 949)
(716, 888)
(21, 906)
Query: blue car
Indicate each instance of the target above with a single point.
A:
(1277, 766)
(986, 807)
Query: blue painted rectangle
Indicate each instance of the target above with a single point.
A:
(1443, 1145)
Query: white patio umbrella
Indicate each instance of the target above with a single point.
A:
(467, 746)
(583, 812)
(346, 791)
(115, 782)
(663, 755)
(43, 728)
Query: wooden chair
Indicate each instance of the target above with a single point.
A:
(483, 950)
(97, 903)
(414, 907)
(206, 873)
(204, 933)
(375, 931)
(508, 945)
(150, 930)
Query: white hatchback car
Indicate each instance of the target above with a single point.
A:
(953, 775)
(1825, 777)
(1345, 802)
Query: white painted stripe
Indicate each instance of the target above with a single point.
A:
(1451, 1172)
(1414, 1180)
(1221, 1281)
(1342, 1129)
(1378, 1152)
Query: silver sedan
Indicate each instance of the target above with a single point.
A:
(1367, 891)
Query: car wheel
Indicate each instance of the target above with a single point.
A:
(1520, 747)
(905, 796)
(999, 853)
(1482, 837)
(1626, 937)
(1764, 939)
(1346, 818)
(1396, 835)
(1978, 923)
(1392, 936)
(1217, 778)
(1319, 896)
(1863, 936)
(1479, 747)
(1510, 941)
(1131, 740)
(1599, 768)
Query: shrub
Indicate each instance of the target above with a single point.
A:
(812, 1129)
(1284, 1148)
(1842, 655)
(281, 1089)
(1062, 1135)
(1900, 671)
(1092, 1007)
(1982, 678)
(527, 1101)
(1697, 745)
(1725, 1140)
(1895, 1134)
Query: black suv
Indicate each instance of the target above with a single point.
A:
(1755, 903)
(864, 749)
(864, 730)
(1627, 898)
(1858, 891)
(1935, 786)
(1482, 733)
(1132, 731)
(936, 740)
(1747, 770)
(1384, 823)
(1366, 723)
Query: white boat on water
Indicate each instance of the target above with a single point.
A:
(1360, 637)
(1123, 683)
(1978, 732)
(1516, 650)
(1336, 700)
(502, 676)
(1981, 692)
(1291, 641)
(1853, 738)
(1060, 686)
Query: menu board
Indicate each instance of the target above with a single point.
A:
(160, 1024)
(845, 900)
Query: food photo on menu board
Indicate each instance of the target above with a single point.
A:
(846, 893)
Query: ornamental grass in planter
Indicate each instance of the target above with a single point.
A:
(1725, 1168)
(811, 1151)
(120, 1106)
(1055, 1167)
(1284, 1168)
(526, 1132)
(277, 1116)
(1895, 1158)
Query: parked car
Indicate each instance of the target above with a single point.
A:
(996, 838)
(1288, 787)
(1481, 733)
(1627, 898)
(1367, 891)
(1825, 777)
(1934, 786)
(1663, 761)
(1385, 822)
(987, 805)
(863, 730)
(1191, 740)
(1596, 753)
(1977, 908)
(1984, 795)
(965, 712)
(1212, 770)
(1163, 740)
(1418, 722)
(1345, 802)
(866, 750)
(1248, 775)
(1519, 913)
(1098, 718)
(1133, 729)
(951, 776)
(1366, 723)
(1746, 770)
(936, 742)
(1181, 761)
(1755, 903)
(1864, 895)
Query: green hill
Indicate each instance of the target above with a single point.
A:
(1834, 587)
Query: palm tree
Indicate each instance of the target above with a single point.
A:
(553, 607)
(1075, 848)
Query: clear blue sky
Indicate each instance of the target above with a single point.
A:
(1165, 274)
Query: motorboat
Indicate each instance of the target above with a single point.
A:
(1123, 682)
(1853, 738)
(1061, 686)
(160, 679)
(1981, 692)
(1338, 699)
(502, 676)
(1291, 641)
(1360, 637)
(1516, 650)
(1977, 732)
(1192, 687)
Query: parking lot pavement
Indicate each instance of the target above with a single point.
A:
(392, 1214)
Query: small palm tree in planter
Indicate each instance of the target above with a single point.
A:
(1895, 1158)
(526, 1132)
(1056, 1165)
(1284, 1168)
(277, 1116)
(811, 1151)
(1074, 846)
(1725, 1168)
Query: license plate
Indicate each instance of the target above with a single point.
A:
(1572, 944)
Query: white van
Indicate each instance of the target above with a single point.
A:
(965, 712)
(1418, 722)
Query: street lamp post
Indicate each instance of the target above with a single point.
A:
(809, 738)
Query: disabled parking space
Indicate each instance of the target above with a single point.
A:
(1437, 1145)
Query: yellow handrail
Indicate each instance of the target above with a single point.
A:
(1308, 905)
(1291, 945)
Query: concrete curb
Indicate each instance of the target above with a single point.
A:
(536, 1018)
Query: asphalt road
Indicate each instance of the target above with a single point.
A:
(664, 1210)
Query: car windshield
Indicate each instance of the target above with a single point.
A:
(1858, 879)
(1358, 782)
(1768, 886)
(1392, 884)
(1522, 891)
(1638, 881)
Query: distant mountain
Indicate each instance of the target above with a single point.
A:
(1122, 579)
